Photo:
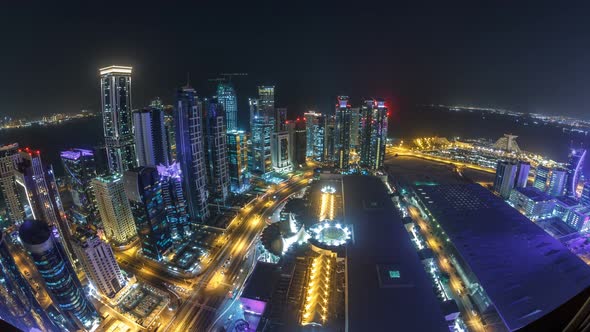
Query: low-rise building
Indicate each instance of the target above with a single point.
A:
(532, 202)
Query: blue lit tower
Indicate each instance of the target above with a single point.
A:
(373, 133)
(542, 174)
(557, 181)
(216, 150)
(342, 132)
(144, 191)
(57, 273)
(574, 170)
(20, 307)
(151, 139)
(505, 178)
(115, 88)
(190, 152)
(314, 131)
(522, 174)
(585, 198)
(226, 94)
(80, 168)
(262, 126)
(176, 207)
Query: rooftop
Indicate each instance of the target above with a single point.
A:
(534, 194)
(34, 232)
(525, 272)
(260, 284)
(387, 282)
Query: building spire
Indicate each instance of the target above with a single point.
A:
(188, 79)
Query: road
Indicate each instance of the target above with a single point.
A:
(200, 310)
(468, 310)
(405, 152)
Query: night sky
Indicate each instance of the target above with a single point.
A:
(527, 57)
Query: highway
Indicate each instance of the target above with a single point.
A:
(215, 284)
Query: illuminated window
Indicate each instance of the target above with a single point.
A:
(394, 274)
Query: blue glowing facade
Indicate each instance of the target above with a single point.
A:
(373, 133)
(176, 207)
(226, 94)
(58, 274)
(216, 150)
(144, 191)
(574, 171)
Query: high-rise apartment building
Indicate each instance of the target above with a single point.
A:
(373, 133)
(98, 261)
(176, 206)
(342, 132)
(314, 128)
(80, 168)
(115, 88)
(114, 208)
(144, 190)
(328, 157)
(216, 150)
(190, 152)
(58, 274)
(550, 180)
(237, 155)
(355, 128)
(226, 94)
(13, 197)
(151, 139)
(19, 306)
(575, 165)
(505, 178)
(281, 119)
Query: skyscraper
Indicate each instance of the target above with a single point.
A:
(314, 130)
(226, 94)
(59, 276)
(574, 171)
(281, 152)
(216, 150)
(355, 128)
(342, 132)
(190, 152)
(542, 174)
(98, 262)
(115, 212)
(115, 88)
(329, 130)
(176, 207)
(585, 198)
(298, 141)
(281, 119)
(266, 99)
(237, 149)
(19, 305)
(43, 195)
(373, 133)
(522, 174)
(505, 178)
(144, 190)
(261, 125)
(80, 168)
(9, 159)
(151, 141)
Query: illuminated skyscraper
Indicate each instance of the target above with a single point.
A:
(144, 190)
(9, 159)
(80, 168)
(176, 207)
(190, 152)
(314, 130)
(237, 149)
(59, 276)
(281, 119)
(261, 125)
(373, 133)
(151, 141)
(114, 208)
(585, 198)
(505, 178)
(216, 150)
(98, 261)
(342, 132)
(266, 99)
(19, 306)
(115, 88)
(355, 128)
(522, 174)
(550, 180)
(43, 195)
(281, 152)
(329, 130)
(574, 171)
(226, 94)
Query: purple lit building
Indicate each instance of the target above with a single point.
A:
(574, 171)
(176, 209)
